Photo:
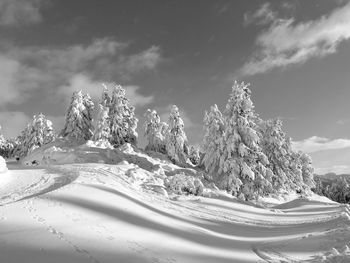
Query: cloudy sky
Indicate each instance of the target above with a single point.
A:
(295, 54)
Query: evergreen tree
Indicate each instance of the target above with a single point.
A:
(295, 179)
(88, 116)
(106, 99)
(6, 147)
(155, 132)
(123, 121)
(307, 170)
(102, 131)
(37, 133)
(78, 123)
(272, 141)
(194, 155)
(243, 163)
(176, 140)
(212, 145)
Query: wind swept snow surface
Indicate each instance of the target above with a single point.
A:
(96, 212)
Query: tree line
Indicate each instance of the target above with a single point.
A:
(240, 152)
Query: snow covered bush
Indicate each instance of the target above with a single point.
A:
(176, 140)
(155, 132)
(78, 123)
(37, 133)
(184, 184)
(123, 122)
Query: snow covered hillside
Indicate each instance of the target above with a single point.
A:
(131, 212)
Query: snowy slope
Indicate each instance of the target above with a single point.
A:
(97, 212)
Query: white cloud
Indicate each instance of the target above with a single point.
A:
(20, 12)
(95, 88)
(145, 60)
(287, 42)
(12, 123)
(315, 143)
(24, 70)
(263, 15)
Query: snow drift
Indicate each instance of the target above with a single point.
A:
(122, 205)
(3, 167)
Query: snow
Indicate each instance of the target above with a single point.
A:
(3, 167)
(84, 203)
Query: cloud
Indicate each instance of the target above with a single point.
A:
(315, 144)
(287, 42)
(54, 70)
(262, 16)
(342, 121)
(95, 88)
(12, 123)
(145, 60)
(20, 12)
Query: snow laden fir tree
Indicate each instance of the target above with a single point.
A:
(214, 129)
(123, 122)
(37, 133)
(155, 132)
(248, 156)
(176, 140)
(78, 124)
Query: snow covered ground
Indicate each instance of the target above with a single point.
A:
(102, 212)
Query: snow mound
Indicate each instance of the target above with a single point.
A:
(3, 167)
(182, 184)
(66, 151)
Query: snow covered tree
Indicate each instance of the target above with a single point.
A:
(194, 155)
(88, 115)
(37, 133)
(176, 140)
(122, 119)
(6, 147)
(213, 139)
(272, 142)
(295, 179)
(307, 170)
(102, 130)
(243, 164)
(155, 132)
(106, 99)
(78, 123)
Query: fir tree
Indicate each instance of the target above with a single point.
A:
(122, 119)
(194, 155)
(272, 142)
(102, 131)
(176, 140)
(243, 163)
(307, 170)
(155, 132)
(78, 123)
(213, 139)
(37, 133)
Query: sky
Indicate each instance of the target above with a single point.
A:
(295, 54)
